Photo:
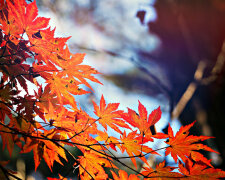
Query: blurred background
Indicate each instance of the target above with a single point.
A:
(167, 53)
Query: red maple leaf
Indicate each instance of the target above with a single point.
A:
(199, 171)
(182, 145)
(141, 120)
(25, 16)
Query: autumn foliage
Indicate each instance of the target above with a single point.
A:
(50, 118)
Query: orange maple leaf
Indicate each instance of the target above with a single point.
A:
(7, 23)
(45, 97)
(109, 140)
(7, 139)
(91, 166)
(124, 176)
(199, 171)
(71, 123)
(44, 49)
(73, 68)
(134, 146)
(182, 145)
(109, 115)
(161, 172)
(60, 178)
(64, 87)
(44, 149)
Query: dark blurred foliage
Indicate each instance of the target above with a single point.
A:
(192, 34)
(190, 31)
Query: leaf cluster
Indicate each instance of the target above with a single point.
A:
(41, 122)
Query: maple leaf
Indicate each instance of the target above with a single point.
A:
(91, 166)
(64, 87)
(44, 148)
(7, 139)
(52, 114)
(141, 121)
(134, 146)
(5, 112)
(159, 135)
(109, 115)
(63, 74)
(26, 16)
(199, 171)
(44, 97)
(25, 106)
(33, 23)
(7, 94)
(7, 24)
(182, 145)
(84, 123)
(81, 72)
(60, 178)
(161, 172)
(124, 176)
(43, 48)
(71, 123)
(50, 49)
(2, 4)
(110, 140)
(85, 142)
(18, 73)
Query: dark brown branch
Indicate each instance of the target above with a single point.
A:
(7, 173)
